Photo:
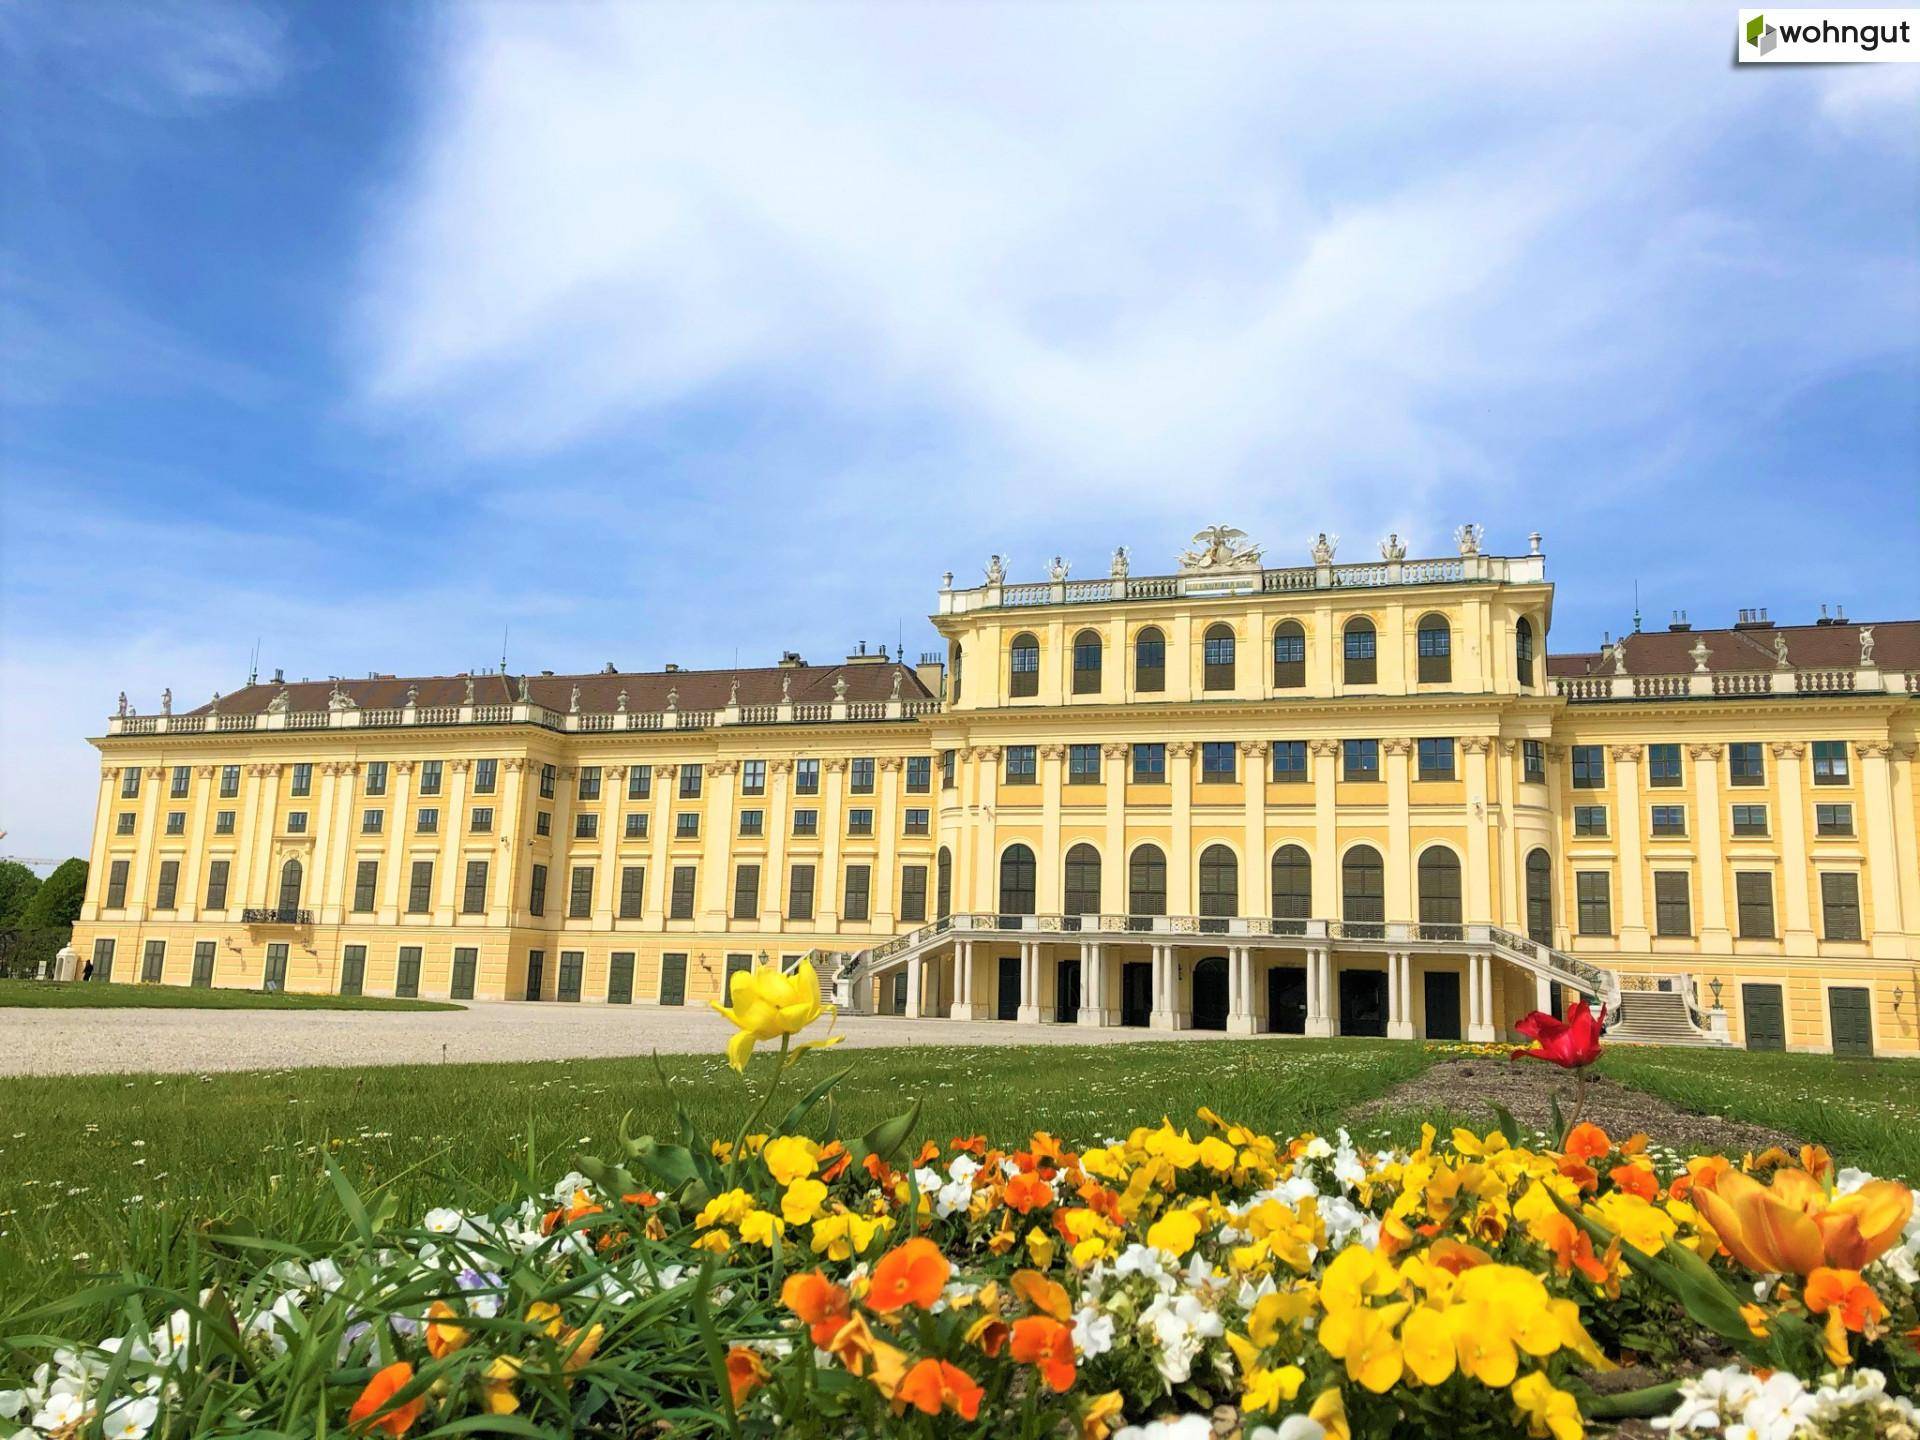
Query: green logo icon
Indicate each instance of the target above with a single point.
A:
(1762, 36)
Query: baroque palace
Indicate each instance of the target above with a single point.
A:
(1323, 799)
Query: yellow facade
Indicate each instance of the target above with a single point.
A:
(1168, 800)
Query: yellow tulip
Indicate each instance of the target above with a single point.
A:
(1794, 1227)
(770, 1004)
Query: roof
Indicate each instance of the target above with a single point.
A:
(646, 690)
(1896, 646)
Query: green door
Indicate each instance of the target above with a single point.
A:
(407, 980)
(465, 962)
(154, 963)
(276, 975)
(673, 979)
(1765, 1016)
(736, 965)
(353, 969)
(1851, 1009)
(102, 960)
(620, 978)
(573, 964)
(202, 964)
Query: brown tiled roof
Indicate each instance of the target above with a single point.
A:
(1896, 646)
(646, 690)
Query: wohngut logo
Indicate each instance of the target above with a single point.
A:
(1829, 36)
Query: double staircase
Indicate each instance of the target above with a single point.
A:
(1660, 1017)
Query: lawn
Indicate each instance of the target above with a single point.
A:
(45, 994)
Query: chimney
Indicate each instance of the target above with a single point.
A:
(860, 656)
(1679, 623)
(790, 660)
(279, 676)
(932, 671)
(671, 668)
(1755, 619)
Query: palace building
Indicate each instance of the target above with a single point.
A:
(1320, 799)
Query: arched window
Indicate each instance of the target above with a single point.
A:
(1439, 893)
(1150, 661)
(1083, 881)
(1289, 655)
(1540, 896)
(1363, 893)
(1436, 650)
(1292, 883)
(1086, 663)
(1359, 645)
(943, 884)
(1024, 657)
(953, 665)
(1147, 882)
(1523, 650)
(1016, 881)
(290, 876)
(1219, 881)
(1219, 658)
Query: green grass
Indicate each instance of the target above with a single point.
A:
(46, 995)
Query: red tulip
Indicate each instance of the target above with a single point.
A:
(1572, 1044)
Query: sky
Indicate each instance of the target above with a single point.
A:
(696, 333)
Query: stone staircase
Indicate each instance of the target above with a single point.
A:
(1658, 1017)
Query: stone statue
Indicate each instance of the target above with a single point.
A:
(1866, 647)
(338, 699)
(469, 698)
(166, 701)
(526, 698)
(733, 693)
(786, 689)
(213, 707)
(1220, 547)
(894, 694)
(1701, 654)
(620, 703)
(573, 701)
(1393, 548)
(946, 581)
(283, 702)
(1620, 658)
(673, 698)
(1057, 572)
(1120, 565)
(996, 570)
(839, 687)
(413, 696)
(1468, 537)
(1323, 548)
(1780, 660)
(124, 709)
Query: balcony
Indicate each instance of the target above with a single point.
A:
(278, 915)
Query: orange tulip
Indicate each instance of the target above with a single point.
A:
(374, 1410)
(913, 1274)
(1045, 1343)
(934, 1385)
(746, 1372)
(1793, 1227)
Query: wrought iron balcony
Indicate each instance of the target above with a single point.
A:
(277, 915)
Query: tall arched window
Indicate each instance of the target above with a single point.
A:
(943, 884)
(1363, 892)
(1083, 881)
(1147, 882)
(1219, 881)
(1540, 896)
(290, 876)
(1016, 881)
(1219, 658)
(1436, 650)
(1150, 661)
(1289, 655)
(1024, 659)
(1358, 642)
(953, 666)
(1523, 650)
(1086, 663)
(1440, 892)
(1292, 883)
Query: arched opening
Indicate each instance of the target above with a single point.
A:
(1086, 663)
(953, 669)
(1359, 646)
(1017, 875)
(1436, 650)
(1289, 655)
(1363, 893)
(943, 884)
(1439, 881)
(1146, 885)
(1150, 661)
(290, 877)
(1523, 651)
(1219, 887)
(1023, 675)
(1210, 993)
(1083, 881)
(1218, 673)
(1292, 884)
(1540, 897)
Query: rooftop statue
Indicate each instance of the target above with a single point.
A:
(1220, 547)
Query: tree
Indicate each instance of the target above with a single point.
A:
(56, 904)
(17, 884)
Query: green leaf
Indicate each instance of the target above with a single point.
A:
(613, 1179)
(1559, 1120)
(1508, 1126)
(886, 1138)
(1683, 1275)
(710, 1341)
(350, 1202)
(1634, 1404)
(813, 1097)
(675, 1165)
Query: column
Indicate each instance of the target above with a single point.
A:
(1628, 824)
(1113, 862)
(139, 897)
(1397, 755)
(392, 882)
(885, 884)
(986, 877)
(1240, 1018)
(1029, 1012)
(1047, 886)
(833, 824)
(1480, 907)
(773, 881)
(102, 837)
(510, 818)
(1709, 824)
(1256, 890)
(962, 1006)
(193, 874)
(1163, 1017)
(716, 845)
(1180, 852)
(1399, 995)
(1326, 832)
(1093, 984)
(914, 978)
(1322, 1012)
(1543, 994)
(1480, 969)
(1876, 795)
(1906, 832)
(335, 840)
(450, 881)
(666, 779)
(262, 888)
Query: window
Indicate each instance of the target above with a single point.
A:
(806, 777)
(948, 767)
(1217, 762)
(103, 959)
(1083, 764)
(620, 978)
(855, 901)
(203, 955)
(1023, 660)
(1289, 655)
(1147, 882)
(1358, 641)
(548, 775)
(372, 822)
(176, 822)
(480, 820)
(230, 779)
(633, 890)
(1086, 663)
(167, 887)
(746, 892)
(1663, 766)
(943, 883)
(1020, 765)
(130, 782)
(859, 822)
(366, 880)
(117, 885)
(1672, 903)
(302, 779)
(407, 972)
(474, 900)
(1830, 762)
(1083, 881)
(1434, 641)
(1149, 764)
(1017, 879)
(1593, 904)
(860, 775)
(1363, 891)
(297, 822)
(1540, 896)
(427, 820)
(123, 822)
(543, 822)
(1290, 762)
(537, 892)
(223, 821)
(1840, 904)
(1745, 764)
(1218, 654)
(753, 823)
(466, 961)
(1753, 903)
(913, 893)
(580, 896)
(1438, 877)
(1589, 820)
(1833, 819)
(1749, 820)
(420, 888)
(486, 775)
(806, 822)
(1436, 759)
(182, 777)
(686, 825)
(153, 964)
(690, 778)
(753, 777)
(1150, 661)
(1669, 820)
(1533, 762)
(291, 875)
(1292, 883)
(800, 893)
(586, 825)
(430, 776)
(1589, 767)
(1523, 651)
(567, 985)
(637, 824)
(1360, 759)
(682, 905)
(1219, 882)
(639, 782)
(917, 822)
(217, 884)
(589, 784)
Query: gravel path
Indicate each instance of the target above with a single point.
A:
(108, 1041)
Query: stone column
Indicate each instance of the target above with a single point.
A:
(716, 845)
(509, 877)
(1241, 1019)
(1093, 984)
(985, 894)
(833, 824)
(666, 779)
(1709, 825)
(1396, 757)
(913, 988)
(139, 893)
(606, 874)
(393, 883)
(1256, 891)
(1180, 849)
(1481, 906)
(1326, 831)
(962, 1007)
(1049, 862)
(1113, 864)
(193, 877)
(1481, 969)
(1628, 824)
(1399, 996)
(773, 884)
(102, 838)
(448, 879)
(885, 884)
(1876, 794)
(1163, 1017)
(1322, 1007)
(1029, 1012)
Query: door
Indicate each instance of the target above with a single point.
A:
(102, 960)
(1009, 996)
(203, 964)
(1210, 993)
(673, 979)
(536, 966)
(1363, 1002)
(407, 980)
(572, 964)
(1765, 1014)
(898, 1004)
(353, 969)
(154, 963)
(620, 978)
(1066, 991)
(1287, 1000)
(276, 977)
(466, 962)
(1850, 1007)
(1442, 989)
(1136, 993)
(736, 965)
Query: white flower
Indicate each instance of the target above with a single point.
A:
(442, 1221)
(1092, 1332)
(1294, 1427)
(1318, 1148)
(131, 1419)
(60, 1409)
(1187, 1427)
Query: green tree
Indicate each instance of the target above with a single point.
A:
(17, 884)
(56, 904)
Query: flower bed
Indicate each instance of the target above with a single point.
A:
(790, 1279)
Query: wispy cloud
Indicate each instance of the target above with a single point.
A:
(158, 57)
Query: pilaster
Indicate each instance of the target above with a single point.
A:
(1180, 860)
(1396, 757)
(1628, 824)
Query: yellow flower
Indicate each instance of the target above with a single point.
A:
(1645, 1227)
(1042, 1247)
(1548, 1411)
(726, 1208)
(1216, 1154)
(715, 1241)
(761, 1227)
(496, 1385)
(768, 1003)
(1329, 1410)
(842, 1237)
(790, 1157)
(1277, 1308)
(1270, 1389)
(1428, 1346)
(1174, 1232)
(1357, 1275)
(1364, 1338)
(802, 1201)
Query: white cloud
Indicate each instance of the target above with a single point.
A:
(157, 56)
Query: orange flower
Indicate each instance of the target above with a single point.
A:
(1045, 1343)
(1587, 1141)
(1635, 1180)
(820, 1304)
(833, 1161)
(929, 1151)
(1846, 1294)
(746, 1372)
(1027, 1192)
(913, 1274)
(1454, 1257)
(974, 1145)
(1049, 1297)
(443, 1338)
(375, 1410)
(1791, 1226)
(934, 1385)
(1571, 1246)
(1581, 1173)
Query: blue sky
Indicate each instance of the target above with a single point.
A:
(687, 332)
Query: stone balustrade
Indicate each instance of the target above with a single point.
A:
(1725, 684)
